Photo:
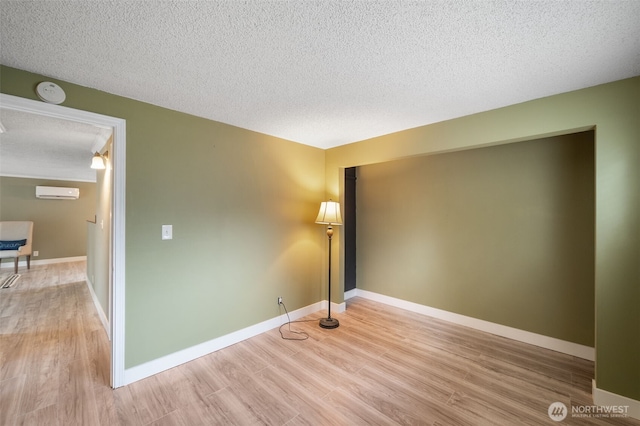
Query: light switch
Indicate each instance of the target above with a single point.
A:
(167, 232)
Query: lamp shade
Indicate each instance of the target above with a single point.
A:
(329, 213)
(97, 162)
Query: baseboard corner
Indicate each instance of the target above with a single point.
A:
(602, 397)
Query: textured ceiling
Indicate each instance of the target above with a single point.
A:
(326, 73)
(44, 147)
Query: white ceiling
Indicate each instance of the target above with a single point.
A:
(326, 73)
(36, 146)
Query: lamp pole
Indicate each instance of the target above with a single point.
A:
(329, 322)
(329, 215)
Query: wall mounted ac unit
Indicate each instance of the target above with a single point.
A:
(57, 193)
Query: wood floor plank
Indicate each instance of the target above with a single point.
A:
(295, 369)
(225, 407)
(181, 417)
(354, 409)
(40, 390)
(153, 397)
(77, 402)
(257, 398)
(127, 411)
(44, 416)
(395, 400)
(294, 393)
(184, 392)
(251, 360)
(427, 382)
(105, 404)
(15, 354)
(11, 392)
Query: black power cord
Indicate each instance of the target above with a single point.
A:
(303, 334)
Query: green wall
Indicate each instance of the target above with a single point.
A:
(613, 110)
(59, 228)
(242, 206)
(98, 232)
(504, 233)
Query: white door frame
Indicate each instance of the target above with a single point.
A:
(118, 157)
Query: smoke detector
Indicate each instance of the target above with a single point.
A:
(50, 92)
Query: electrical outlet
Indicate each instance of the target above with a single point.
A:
(279, 300)
(36, 253)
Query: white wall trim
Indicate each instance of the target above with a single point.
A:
(351, 293)
(46, 178)
(118, 126)
(575, 349)
(23, 261)
(166, 362)
(101, 314)
(602, 397)
(335, 307)
(118, 250)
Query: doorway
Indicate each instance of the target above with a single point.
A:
(350, 177)
(117, 234)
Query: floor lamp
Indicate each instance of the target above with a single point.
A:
(329, 215)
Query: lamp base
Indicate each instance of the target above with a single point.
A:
(329, 323)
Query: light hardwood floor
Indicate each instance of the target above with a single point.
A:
(382, 366)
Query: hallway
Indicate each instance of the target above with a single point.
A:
(54, 352)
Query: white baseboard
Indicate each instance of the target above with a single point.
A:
(351, 293)
(602, 397)
(23, 261)
(101, 314)
(156, 366)
(335, 307)
(166, 362)
(575, 349)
